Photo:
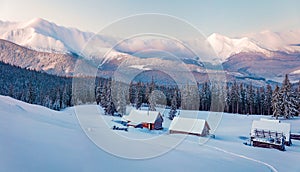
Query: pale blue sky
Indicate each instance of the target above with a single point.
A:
(229, 17)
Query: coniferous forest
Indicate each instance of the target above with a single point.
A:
(55, 92)
(35, 87)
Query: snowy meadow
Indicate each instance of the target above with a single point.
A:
(35, 138)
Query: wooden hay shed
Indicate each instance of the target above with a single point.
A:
(270, 133)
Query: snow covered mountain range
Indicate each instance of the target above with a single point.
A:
(44, 36)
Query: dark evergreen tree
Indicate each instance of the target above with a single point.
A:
(138, 96)
(147, 92)
(257, 101)
(250, 99)
(120, 97)
(103, 95)
(205, 96)
(11, 91)
(215, 97)
(262, 100)
(98, 95)
(152, 99)
(30, 94)
(109, 105)
(277, 102)
(268, 101)
(234, 94)
(65, 98)
(173, 109)
(47, 102)
(57, 101)
(228, 99)
(242, 99)
(111, 109)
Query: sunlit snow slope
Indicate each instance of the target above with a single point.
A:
(34, 138)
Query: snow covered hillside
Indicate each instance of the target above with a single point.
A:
(34, 138)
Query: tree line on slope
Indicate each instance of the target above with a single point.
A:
(35, 87)
(230, 97)
(56, 93)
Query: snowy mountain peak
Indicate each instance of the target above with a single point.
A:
(42, 35)
(35, 22)
(226, 47)
(218, 36)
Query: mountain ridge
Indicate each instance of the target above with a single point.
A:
(64, 46)
(42, 35)
(52, 63)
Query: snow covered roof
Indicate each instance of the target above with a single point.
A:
(141, 116)
(189, 125)
(270, 120)
(188, 114)
(270, 125)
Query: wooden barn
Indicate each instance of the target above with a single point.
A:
(270, 134)
(182, 125)
(145, 119)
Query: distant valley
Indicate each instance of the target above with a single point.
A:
(44, 46)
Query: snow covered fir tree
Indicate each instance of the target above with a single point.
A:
(285, 100)
(173, 109)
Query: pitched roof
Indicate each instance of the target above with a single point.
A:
(189, 125)
(270, 120)
(274, 126)
(141, 116)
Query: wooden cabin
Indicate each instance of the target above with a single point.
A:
(145, 119)
(270, 134)
(192, 126)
